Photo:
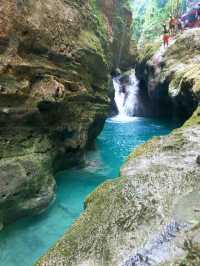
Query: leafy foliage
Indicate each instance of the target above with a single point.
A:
(150, 15)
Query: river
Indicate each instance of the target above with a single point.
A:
(25, 241)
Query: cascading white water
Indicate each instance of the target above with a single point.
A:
(119, 97)
(132, 103)
(126, 97)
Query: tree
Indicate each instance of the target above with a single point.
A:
(149, 15)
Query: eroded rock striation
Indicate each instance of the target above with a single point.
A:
(55, 58)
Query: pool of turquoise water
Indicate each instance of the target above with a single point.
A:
(22, 243)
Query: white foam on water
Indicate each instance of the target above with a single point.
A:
(122, 119)
(127, 102)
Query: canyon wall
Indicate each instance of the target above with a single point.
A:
(55, 60)
(169, 78)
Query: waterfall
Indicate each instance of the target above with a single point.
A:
(126, 96)
(119, 97)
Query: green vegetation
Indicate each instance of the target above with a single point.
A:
(149, 15)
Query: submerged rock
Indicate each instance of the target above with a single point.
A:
(55, 58)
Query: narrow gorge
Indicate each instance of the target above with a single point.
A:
(99, 135)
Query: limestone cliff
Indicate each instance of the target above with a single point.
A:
(170, 77)
(55, 59)
(151, 214)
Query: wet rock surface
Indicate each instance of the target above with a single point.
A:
(55, 58)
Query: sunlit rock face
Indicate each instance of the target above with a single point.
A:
(170, 77)
(55, 58)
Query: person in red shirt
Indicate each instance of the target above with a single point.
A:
(165, 36)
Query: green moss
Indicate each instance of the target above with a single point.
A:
(148, 51)
(144, 150)
(172, 143)
(194, 120)
(192, 72)
(90, 40)
(107, 186)
(93, 215)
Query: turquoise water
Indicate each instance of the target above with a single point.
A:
(23, 243)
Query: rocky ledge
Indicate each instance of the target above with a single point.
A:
(55, 59)
(169, 78)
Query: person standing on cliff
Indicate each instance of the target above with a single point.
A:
(172, 26)
(165, 36)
